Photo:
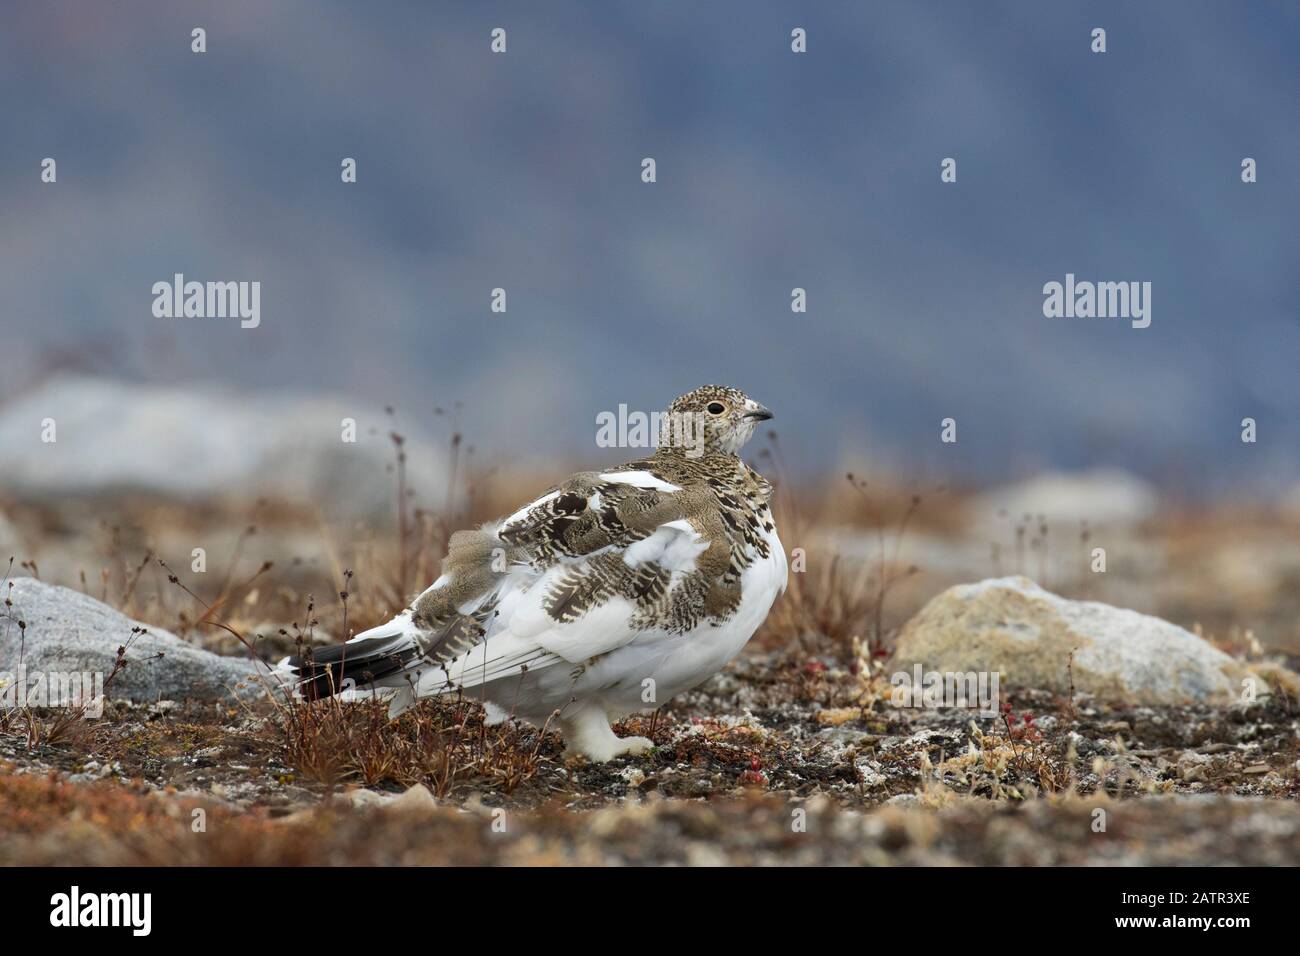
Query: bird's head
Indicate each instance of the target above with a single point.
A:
(711, 419)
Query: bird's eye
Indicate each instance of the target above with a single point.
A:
(716, 408)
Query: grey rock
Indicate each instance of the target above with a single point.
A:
(1013, 626)
(70, 632)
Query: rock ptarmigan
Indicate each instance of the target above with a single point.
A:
(606, 596)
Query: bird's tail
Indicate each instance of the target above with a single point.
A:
(374, 663)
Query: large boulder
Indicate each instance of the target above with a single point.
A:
(69, 632)
(1013, 626)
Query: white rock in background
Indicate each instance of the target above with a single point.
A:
(11, 543)
(1289, 502)
(196, 442)
(1099, 496)
(70, 632)
(1013, 626)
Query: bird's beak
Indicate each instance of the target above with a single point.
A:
(759, 413)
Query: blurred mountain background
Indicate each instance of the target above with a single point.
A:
(775, 170)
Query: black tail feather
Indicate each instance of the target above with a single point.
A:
(326, 671)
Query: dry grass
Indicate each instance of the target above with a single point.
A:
(40, 727)
(835, 604)
(435, 743)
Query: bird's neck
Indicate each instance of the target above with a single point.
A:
(683, 463)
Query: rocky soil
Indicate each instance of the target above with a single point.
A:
(777, 760)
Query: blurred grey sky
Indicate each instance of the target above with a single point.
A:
(775, 170)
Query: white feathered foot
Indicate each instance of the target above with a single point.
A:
(587, 733)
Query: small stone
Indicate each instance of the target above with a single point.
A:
(1194, 768)
(869, 772)
(633, 776)
(848, 736)
(362, 797)
(418, 799)
(833, 717)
